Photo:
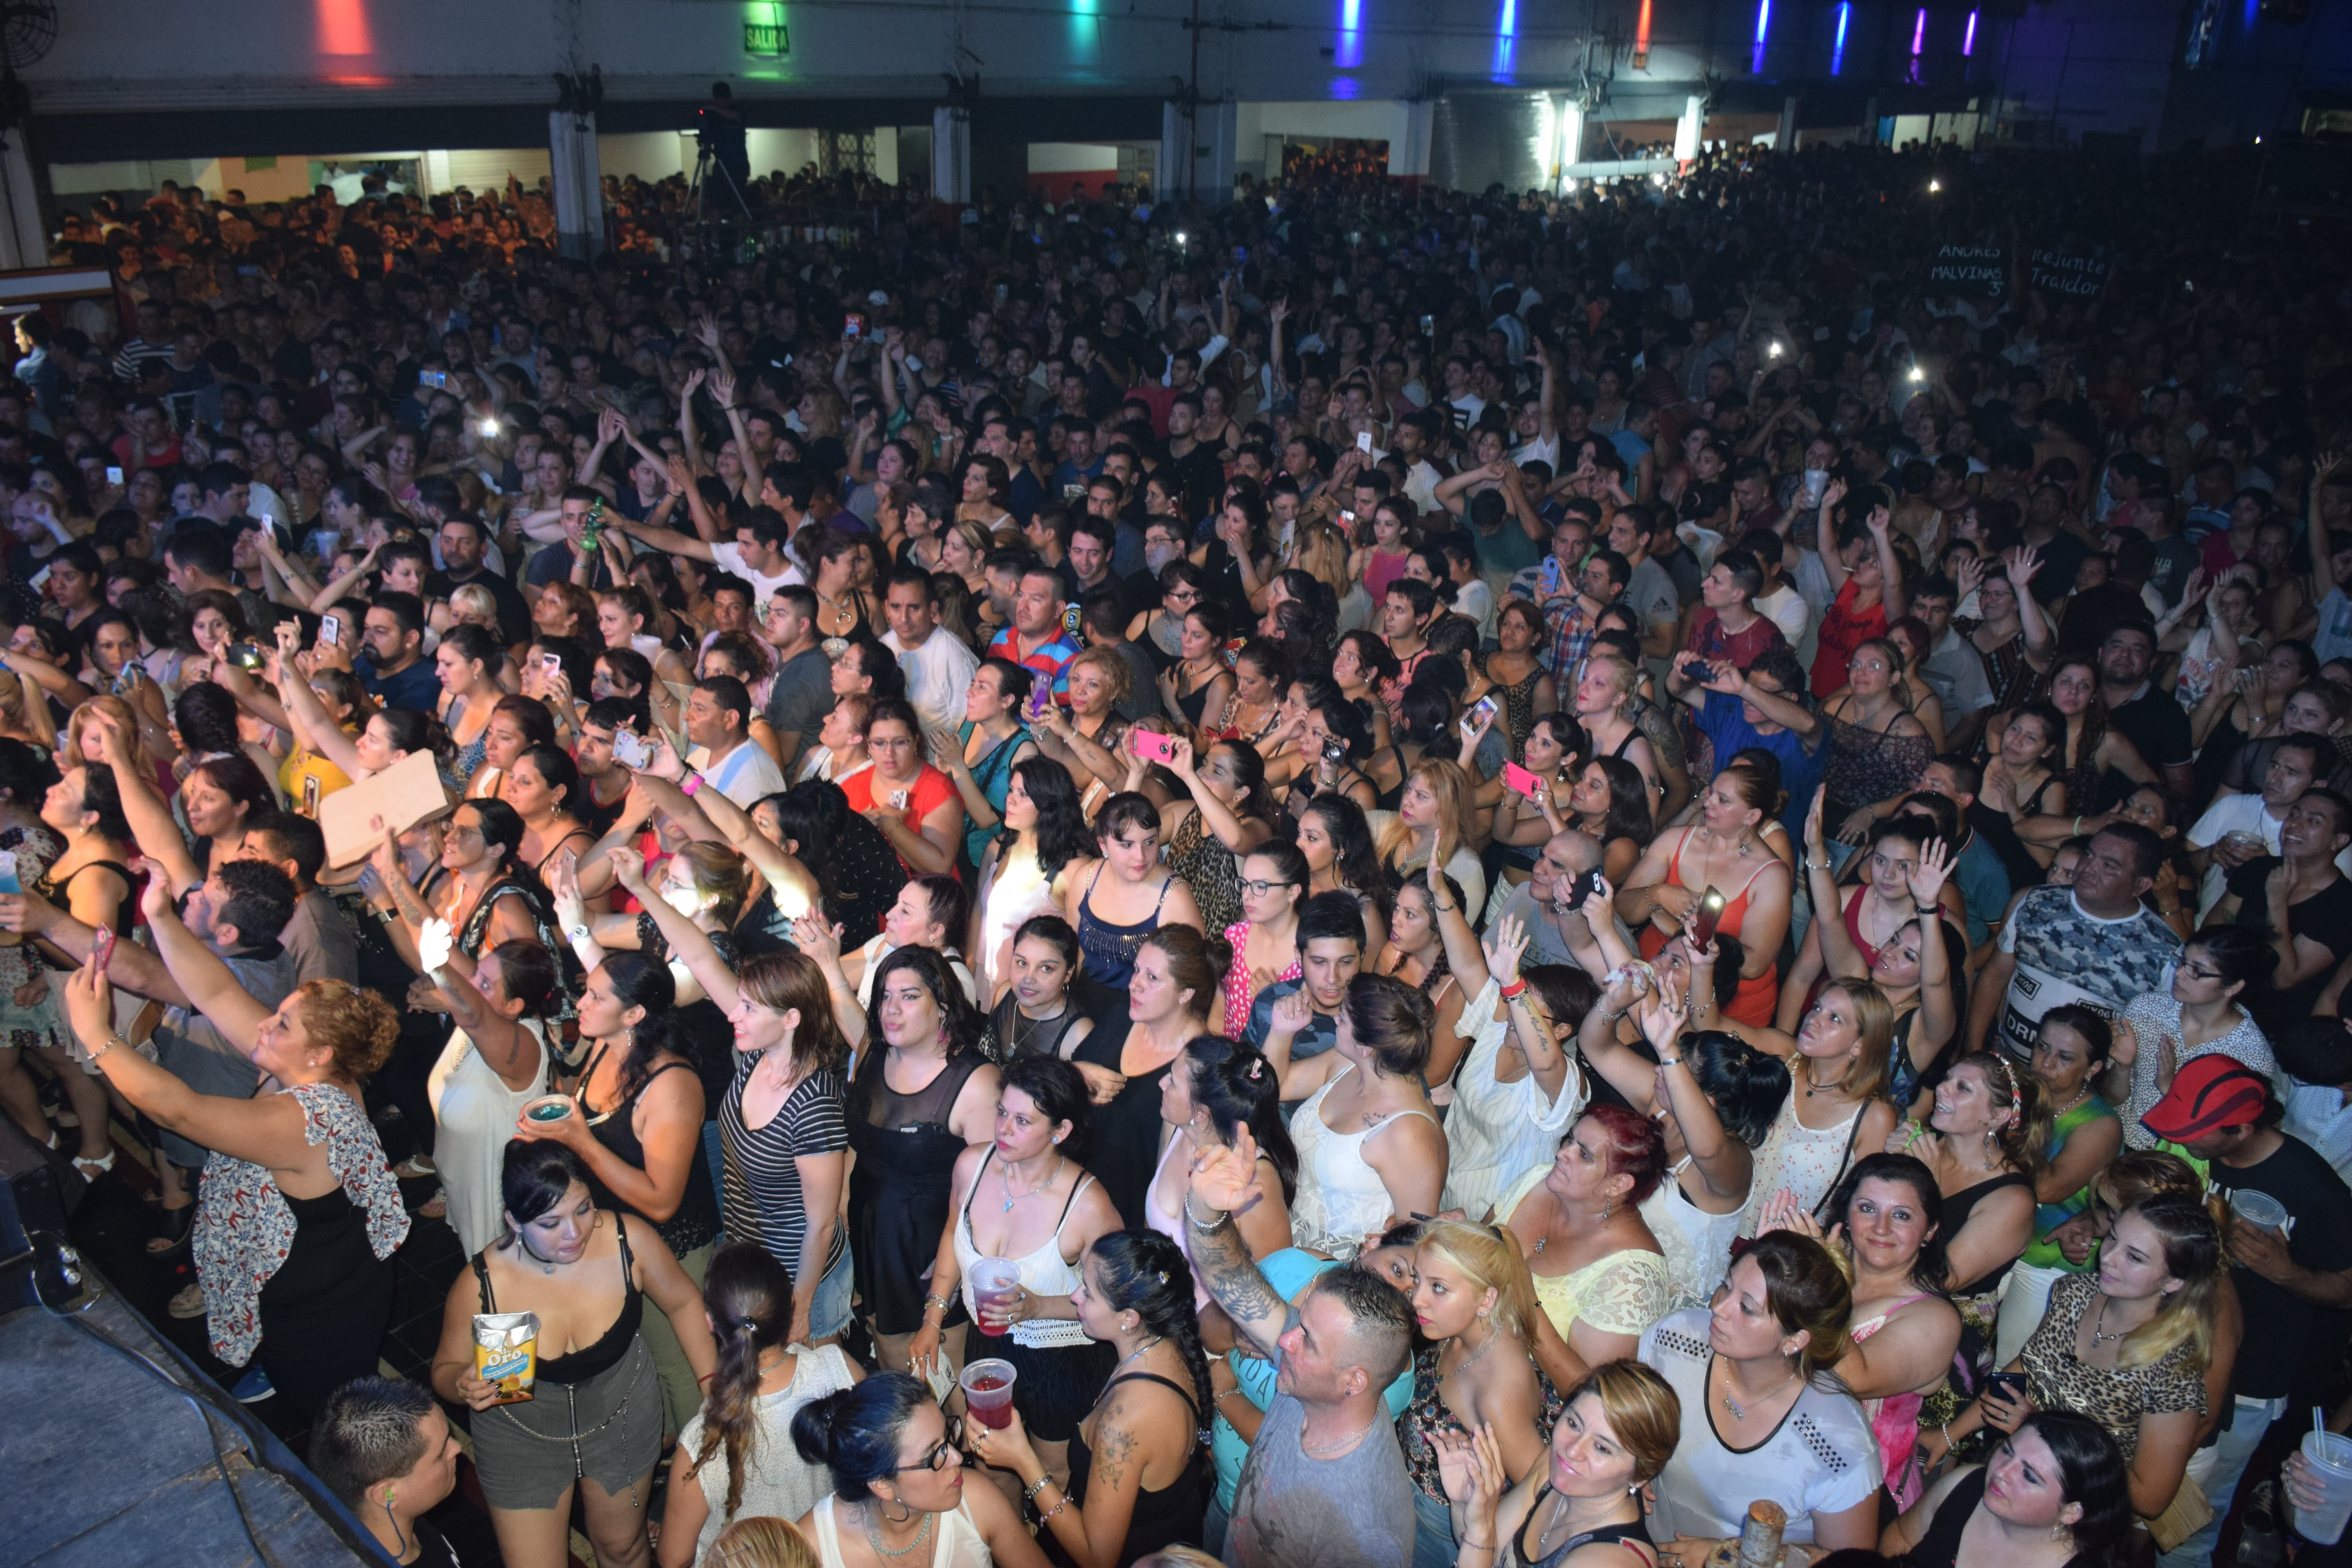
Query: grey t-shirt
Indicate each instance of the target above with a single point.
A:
(322, 940)
(1294, 1511)
(802, 696)
(189, 1047)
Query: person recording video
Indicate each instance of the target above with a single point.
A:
(718, 125)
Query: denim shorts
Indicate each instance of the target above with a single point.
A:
(829, 1311)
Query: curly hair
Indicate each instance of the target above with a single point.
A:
(358, 1026)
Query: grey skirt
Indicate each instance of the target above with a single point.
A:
(607, 1429)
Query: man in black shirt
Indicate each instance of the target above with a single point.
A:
(2294, 1288)
(463, 542)
(2143, 712)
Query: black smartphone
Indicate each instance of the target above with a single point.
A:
(2010, 1383)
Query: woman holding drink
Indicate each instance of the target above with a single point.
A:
(1022, 1212)
(594, 1417)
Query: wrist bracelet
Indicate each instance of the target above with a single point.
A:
(1030, 1493)
(1223, 1216)
(1516, 989)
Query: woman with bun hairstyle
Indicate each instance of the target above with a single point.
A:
(736, 1460)
(1764, 1415)
(899, 1484)
(1582, 1508)
(1148, 1424)
(298, 1220)
(595, 1420)
(1025, 1198)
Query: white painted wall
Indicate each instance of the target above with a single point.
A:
(1071, 157)
(650, 155)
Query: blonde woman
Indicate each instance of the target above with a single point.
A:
(1476, 1310)
(1432, 822)
(1583, 1507)
(1088, 737)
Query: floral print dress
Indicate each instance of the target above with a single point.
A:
(42, 1024)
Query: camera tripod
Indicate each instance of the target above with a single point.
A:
(698, 193)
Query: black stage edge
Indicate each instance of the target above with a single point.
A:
(106, 1466)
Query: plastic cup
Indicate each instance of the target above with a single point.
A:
(2328, 1456)
(988, 1394)
(995, 1281)
(548, 1107)
(2258, 1209)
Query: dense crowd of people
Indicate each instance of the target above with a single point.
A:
(1082, 854)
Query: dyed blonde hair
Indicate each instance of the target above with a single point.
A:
(761, 1542)
(1447, 781)
(1117, 677)
(1868, 1078)
(1645, 1414)
(2192, 1254)
(1488, 1256)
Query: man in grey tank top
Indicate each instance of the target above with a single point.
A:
(1325, 1485)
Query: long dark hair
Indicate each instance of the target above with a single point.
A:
(963, 1025)
(1931, 1269)
(1628, 814)
(1746, 1085)
(638, 981)
(749, 1296)
(1063, 836)
(1354, 857)
(2090, 1472)
(1058, 1091)
(1238, 1088)
(1145, 1272)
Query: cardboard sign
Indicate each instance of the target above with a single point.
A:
(1970, 271)
(404, 794)
(2063, 272)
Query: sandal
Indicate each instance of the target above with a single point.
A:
(435, 1207)
(416, 1167)
(92, 1169)
(171, 1230)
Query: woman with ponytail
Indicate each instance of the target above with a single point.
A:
(637, 1128)
(1136, 1297)
(1216, 1088)
(736, 1460)
(899, 1483)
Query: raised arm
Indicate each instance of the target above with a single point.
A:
(149, 818)
(508, 1047)
(1825, 534)
(1234, 833)
(688, 942)
(1221, 1182)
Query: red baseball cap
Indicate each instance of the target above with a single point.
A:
(2211, 1092)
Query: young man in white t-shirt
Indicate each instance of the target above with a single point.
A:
(2237, 828)
(756, 554)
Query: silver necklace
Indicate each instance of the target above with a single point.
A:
(2099, 1336)
(1739, 1411)
(874, 1537)
(1005, 1175)
(2073, 1102)
(1336, 1448)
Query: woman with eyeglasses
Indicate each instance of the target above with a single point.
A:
(899, 1484)
(1274, 879)
(1159, 631)
(2202, 1013)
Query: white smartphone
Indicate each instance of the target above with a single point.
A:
(113, 476)
(629, 750)
(1364, 442)
(331, 631)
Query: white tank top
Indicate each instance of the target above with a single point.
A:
(474, 1116)
(1340, 1198)
(1799, 1159)
(1044, 1272)
(958, 1543)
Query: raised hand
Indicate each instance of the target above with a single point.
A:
(1813, 823)
(817, 937)
(435, 943)
(628, 868)
(2020, 565)
(1222, 1178)
(1503, 946)
(1968, 576)
(1928, 876)
(1832, 493)
(1291, 1014)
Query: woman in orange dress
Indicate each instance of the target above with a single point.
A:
(1724, 851)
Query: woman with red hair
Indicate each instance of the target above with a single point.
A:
(1599, 1275)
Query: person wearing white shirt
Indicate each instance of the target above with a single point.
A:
(937, 666)
(2226, 837)
(717, 721)
(2315, 1080)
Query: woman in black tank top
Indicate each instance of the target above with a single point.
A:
(1582, 1506)
(1136, 1299)
(596, 1412)
(2053, 1493)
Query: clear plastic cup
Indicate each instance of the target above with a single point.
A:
(988, 1392)
(995, 1281)
(2257, 1208)
(2328, 1457)
(548, 1107)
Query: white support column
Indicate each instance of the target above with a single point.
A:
(579, 190)
(1411, 155)
(1219, 130)
(1687, 127)
(950, 155)
(1571, 151)
(23, 242)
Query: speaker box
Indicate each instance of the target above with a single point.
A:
(34, 1182)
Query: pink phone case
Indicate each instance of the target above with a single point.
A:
(1520, 781)
(1154, 748)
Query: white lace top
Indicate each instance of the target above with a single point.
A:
(777, 1483)
(1698, 1243)
(1622, 1293)
(1340, 1198)
(1497, 1131)
(1798, 1158)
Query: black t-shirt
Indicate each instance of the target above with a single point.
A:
(2325, 918)
(514, 615)
(2156, 723)
(2298, 1341)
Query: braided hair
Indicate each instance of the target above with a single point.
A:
(1145, 1273)
(749, 1296)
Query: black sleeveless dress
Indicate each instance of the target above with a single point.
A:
(697, 1219)
(1172, 1516)
(1940, 1547)
(1606, 1535)
(899, 1184)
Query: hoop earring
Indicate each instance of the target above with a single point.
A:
(903, 1517)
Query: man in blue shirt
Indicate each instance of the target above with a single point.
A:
(1330, 952)
(1763, 707)
(1081, 464)
(394, 667)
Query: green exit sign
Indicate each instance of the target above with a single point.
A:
(767, 40)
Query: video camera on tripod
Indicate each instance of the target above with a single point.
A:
(724, 143)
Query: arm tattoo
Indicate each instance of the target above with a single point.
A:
(1111, 1459)
(1234, 1281)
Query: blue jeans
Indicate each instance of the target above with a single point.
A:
(717, 1159)
(2233, 1450)
(1432, 1532)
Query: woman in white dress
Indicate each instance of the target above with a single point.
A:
(1518, 1087)
(1021, 874)
(1354, 1184)
(496, 1062)
(898, 1482)
(736, 1460)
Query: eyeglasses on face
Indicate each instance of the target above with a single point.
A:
(1259, 888)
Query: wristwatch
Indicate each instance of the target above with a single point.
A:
(577, 934)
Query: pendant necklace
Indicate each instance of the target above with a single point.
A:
(1012, 1197)
(1739, 1411)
